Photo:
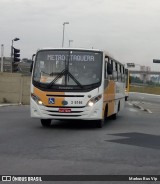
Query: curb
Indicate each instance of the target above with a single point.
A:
(138, 106)
(141, 108)
(6, 105)
(148, 111)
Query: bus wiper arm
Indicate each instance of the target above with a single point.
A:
(75, 80)
(58, 76)
(64, 72)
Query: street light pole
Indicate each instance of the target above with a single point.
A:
(12, 56)
(15, 39)
(63, 33)
(2, 54)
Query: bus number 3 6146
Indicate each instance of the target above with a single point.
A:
(76, 102)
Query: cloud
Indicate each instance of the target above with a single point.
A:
(129, 29)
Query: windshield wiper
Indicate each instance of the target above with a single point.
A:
(75, 80)
(56, 78)
(65, 73)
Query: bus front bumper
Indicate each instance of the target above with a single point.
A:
(81, 113)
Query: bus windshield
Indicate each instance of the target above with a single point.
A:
(68, 68)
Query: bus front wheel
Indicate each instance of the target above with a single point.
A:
(101, 122)
(46, 122)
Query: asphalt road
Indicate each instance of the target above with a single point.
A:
(129, 145)
(147, 102)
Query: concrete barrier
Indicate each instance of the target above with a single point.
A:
(14, 88)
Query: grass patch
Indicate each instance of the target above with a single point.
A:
(145, 89)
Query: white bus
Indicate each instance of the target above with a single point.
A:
(79, 84)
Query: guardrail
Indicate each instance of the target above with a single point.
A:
(23, 68)
(144, 72)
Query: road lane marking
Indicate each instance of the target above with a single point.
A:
(148, 111)
(129, 103)
(132, 110)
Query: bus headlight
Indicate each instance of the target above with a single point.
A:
(36, 99)
(94, 100)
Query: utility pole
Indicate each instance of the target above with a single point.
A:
(2, 54)
(63, 32)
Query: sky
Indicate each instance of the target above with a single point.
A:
(127, 29)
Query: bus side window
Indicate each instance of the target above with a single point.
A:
(114, 71)
(123, 74)
(109, 68)
(105, 73)
(106, 61)
(120, 69)
(117, 70)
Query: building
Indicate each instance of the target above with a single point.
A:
(145, 77)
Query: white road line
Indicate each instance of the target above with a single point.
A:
(132, 110)
(129, 103)
(148, 111)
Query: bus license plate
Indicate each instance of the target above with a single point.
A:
(64, 110)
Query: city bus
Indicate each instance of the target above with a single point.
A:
(127, 79)
(76, 84)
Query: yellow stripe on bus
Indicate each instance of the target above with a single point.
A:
(44, 98)
(109, 98)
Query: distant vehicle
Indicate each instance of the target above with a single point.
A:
(79, 84)
(127, 79)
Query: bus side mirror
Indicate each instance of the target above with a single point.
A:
(31, 68)
(109, 69)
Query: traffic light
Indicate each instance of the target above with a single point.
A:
(130, 65)
(156, 61)
(16, 55)
(16, 59)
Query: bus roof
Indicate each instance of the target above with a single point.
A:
(80, 49)
(86, 49)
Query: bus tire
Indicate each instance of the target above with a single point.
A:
(126, 98)
(114, 116)
(118, 107)
(100, 123)
(106, 113)
(46, 122)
